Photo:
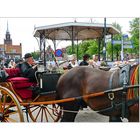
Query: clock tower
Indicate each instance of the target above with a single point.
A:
(7, 39)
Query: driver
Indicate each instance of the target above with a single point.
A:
(28, 67)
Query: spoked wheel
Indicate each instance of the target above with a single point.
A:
(45, 113)
(10, 110)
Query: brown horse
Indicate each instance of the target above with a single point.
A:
(84, 80)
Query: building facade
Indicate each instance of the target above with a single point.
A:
(8, 50)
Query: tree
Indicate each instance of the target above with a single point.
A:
(85, 47)
(35, 55)
(134, 31)
(116, 47)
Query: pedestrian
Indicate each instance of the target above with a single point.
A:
(11, 64)
(96, 63)
(85, 60)
(72, 61)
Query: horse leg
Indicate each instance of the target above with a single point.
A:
(134, 113)
(68, 117)
(70, 111)
(114, 119)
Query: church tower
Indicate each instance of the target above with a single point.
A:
(7, 40)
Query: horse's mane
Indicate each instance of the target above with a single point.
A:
(134, 80)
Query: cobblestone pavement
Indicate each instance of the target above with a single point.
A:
(88, 115)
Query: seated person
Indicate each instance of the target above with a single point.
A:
(96, 63)
(11, 64)
(85, 60)
(72, 61)
(28, 67)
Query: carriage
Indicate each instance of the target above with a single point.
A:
(58, 96)
(17, 100)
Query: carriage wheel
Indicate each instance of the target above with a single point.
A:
(45, 113)
(10, 110)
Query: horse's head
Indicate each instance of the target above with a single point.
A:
(133, 94)
(134, 80)
(126, 73)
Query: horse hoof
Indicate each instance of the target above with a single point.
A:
(115, 119)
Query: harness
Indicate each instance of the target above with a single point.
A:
(124, 75)
(124, 81)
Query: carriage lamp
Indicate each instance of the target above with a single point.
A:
(40, 66)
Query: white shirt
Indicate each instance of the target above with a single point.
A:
(73, 65)
(96, 64)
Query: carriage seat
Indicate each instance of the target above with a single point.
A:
(13, 72)
(20, 84)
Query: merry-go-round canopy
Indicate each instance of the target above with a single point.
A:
(74, 31)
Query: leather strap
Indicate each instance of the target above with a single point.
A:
(111, 80)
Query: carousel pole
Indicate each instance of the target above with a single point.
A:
(54, 43)
(44, 52)
(44, 49)
(72, 39)
(99, 47)
(77, 51)
(104, 47)
(112, 46)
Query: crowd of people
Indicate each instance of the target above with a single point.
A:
(10, 63)
(86, 61)
(28, 66)
(96, 63)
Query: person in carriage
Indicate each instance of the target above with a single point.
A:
(29, 67)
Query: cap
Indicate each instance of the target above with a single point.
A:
(27, 55)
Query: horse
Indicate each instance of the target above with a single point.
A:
(84, 80)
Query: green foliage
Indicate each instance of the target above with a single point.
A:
(86, 47)
(134, 31)
(35, 55)
(117, 26)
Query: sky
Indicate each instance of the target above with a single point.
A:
(21, 28)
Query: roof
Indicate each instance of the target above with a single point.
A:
(75, 30)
